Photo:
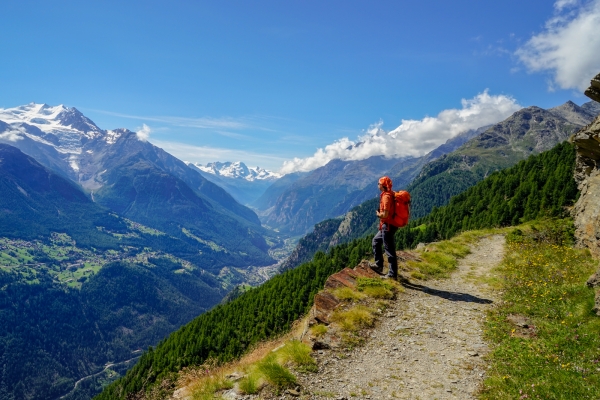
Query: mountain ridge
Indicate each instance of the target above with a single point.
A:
(452, 173)
(104, 163)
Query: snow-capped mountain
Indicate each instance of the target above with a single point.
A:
(132, 177)
(243, 183)
(237, 170)
(69, 123)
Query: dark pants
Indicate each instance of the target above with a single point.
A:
(386, 237)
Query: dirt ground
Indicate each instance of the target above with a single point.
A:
(428, 345)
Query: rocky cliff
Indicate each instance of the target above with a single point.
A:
(587, 174)
(593, 92)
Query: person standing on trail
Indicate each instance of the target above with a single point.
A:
(386, 232)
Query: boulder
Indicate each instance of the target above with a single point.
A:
(346, 277)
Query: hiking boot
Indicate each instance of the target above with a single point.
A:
(388, 276)
(375, 268)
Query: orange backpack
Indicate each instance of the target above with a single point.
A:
(401, 208)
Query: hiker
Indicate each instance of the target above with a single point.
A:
(386, 232)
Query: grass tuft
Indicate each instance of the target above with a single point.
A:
(376, 288)
(318, 330)
(276, 374)
(206, 388)
(297, 354)
(250, 384)
(347, 294)
(354, 319)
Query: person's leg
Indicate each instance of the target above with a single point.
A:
(377, 254)
(389, 244)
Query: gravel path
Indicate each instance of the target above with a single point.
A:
(428, 345)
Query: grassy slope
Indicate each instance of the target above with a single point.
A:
(543, 279)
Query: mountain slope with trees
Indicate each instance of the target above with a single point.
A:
(81, 286)
(545, 182)
(528, 131)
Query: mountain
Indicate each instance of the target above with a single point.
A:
(237, 170)
(82, 287)
(333, 190)
(137, 180)
(272, 193)
(575, 114)
(591, 107)
(529, 131)
(244, 184)
(228, 331)
(319, 194)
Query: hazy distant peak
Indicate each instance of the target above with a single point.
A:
(237, 170)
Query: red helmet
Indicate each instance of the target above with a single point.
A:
(386, 182)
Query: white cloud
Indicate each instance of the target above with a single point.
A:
(144, 133)
(202, 123)
(568, 47)
(11, 136)
(561, 4)
(412, 137)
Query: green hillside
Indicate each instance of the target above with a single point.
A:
(544, 181)
(541, 186)
(81, 287)
(361, 220)
(52, 335)
(531, 130)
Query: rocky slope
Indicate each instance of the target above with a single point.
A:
(587, 174)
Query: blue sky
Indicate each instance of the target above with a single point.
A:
(265, 82)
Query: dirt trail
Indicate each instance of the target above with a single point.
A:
(428, 344)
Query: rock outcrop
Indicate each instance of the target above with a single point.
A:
(586, 212)
(326, 303)
(587, 174)
(593, 92)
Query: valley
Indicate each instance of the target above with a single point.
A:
(134, 244)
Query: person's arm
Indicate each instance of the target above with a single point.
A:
(387, 205)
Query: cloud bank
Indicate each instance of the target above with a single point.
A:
(569, 46)
(412, 137)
